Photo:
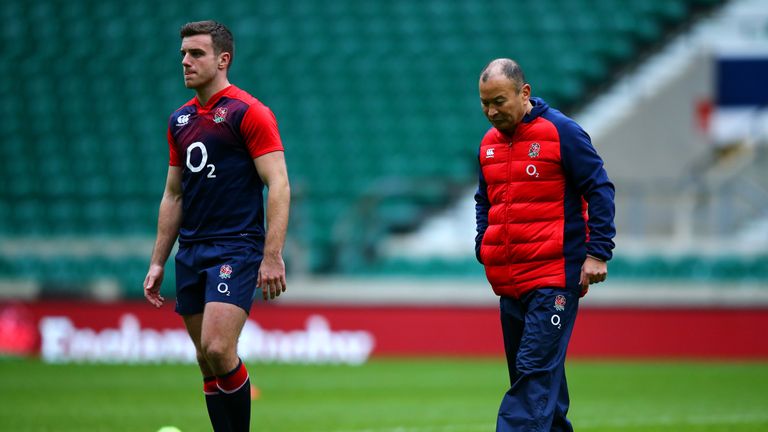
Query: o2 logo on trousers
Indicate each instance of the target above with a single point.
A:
(555, 320)
(203, 159)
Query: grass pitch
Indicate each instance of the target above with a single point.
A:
(393, 395)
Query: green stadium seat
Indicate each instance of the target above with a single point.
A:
(365, 92)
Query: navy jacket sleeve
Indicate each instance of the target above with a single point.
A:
(584, 167)
(482, 205)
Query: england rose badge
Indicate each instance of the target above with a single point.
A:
(225, 271)
(560, 303)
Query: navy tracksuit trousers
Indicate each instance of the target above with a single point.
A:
(537, 329)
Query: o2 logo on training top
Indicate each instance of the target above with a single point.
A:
(560, 303)
(203, 159)
(225, 271)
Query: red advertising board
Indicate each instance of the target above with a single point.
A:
(137, 332)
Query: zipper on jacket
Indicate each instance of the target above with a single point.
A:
(507, 206)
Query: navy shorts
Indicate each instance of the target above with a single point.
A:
(216, 272)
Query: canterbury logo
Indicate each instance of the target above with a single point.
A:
(489, 153)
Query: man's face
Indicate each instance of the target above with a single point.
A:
(199, 60)
(502, 104)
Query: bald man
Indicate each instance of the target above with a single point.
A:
(544, 211)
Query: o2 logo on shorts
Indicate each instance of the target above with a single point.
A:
(225, 271)
(223, 288)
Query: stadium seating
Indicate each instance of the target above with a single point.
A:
(376, 101)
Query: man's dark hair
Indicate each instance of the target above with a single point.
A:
(220, 35)
(507, 67)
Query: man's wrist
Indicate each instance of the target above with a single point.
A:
(595, 258)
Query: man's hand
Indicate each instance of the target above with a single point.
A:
(593, 271)
(271, 278)
(152, 284)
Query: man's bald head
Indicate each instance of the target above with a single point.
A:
(504, 94)
(504, 67)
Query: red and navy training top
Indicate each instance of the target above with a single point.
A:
(215, 145)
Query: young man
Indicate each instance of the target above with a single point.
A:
(539, 179)
(224, 148)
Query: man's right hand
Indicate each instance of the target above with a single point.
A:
(152, 284)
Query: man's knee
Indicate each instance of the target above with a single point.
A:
(218, 352)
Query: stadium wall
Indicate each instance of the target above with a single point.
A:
(659, 138)
(134, 332)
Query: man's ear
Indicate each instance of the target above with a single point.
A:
(525, 91)
(224, 59)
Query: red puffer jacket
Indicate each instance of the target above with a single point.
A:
(531, 207)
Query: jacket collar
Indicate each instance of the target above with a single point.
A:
(539, 107)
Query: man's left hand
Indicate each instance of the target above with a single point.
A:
(271, 278)
(593, 271)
